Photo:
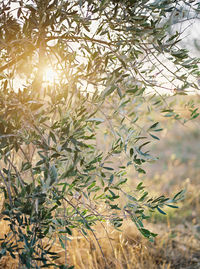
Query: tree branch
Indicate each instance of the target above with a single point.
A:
(78, 38)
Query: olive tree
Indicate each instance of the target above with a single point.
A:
(78, 81)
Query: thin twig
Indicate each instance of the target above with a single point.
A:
(17, 173)
(8, 189)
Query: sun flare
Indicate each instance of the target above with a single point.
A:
(50, 75)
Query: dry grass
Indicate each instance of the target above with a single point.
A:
(174, 248)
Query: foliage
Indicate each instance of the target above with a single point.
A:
(58, 173)
(185, 15)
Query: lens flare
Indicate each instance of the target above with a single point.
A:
(50, 75)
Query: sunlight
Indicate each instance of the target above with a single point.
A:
(50, 75)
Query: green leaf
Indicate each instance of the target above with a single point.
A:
(155, 137)
(26, 166)
(61, 242)
(144, 144)
(143, 197)
(153, 126)
(145, 232)
(91, 185)
(140, 186)
(52, 137)
(160, 210)
(140, 170)
(179, 195)
(109, 90)
(53, 174)
(108, 168)
(131, 152)
(122, 181)
(98, 120)
(172, 206)
(111, 180)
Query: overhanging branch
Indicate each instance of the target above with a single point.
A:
(78, 38)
